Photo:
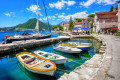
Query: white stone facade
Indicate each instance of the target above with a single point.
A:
(119, 15)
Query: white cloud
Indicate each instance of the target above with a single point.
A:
(76, 15)
(106, 2)
(90, 2)
(51, 5)
(44, 18)
(33, 8)
(49, 17)
(61, 4)
(67, 8)
(56, 14)
(7, 14)
(41, 14)
(53, 19)
(63, 13)
(10, 14)
(40, 19)
(70, 3)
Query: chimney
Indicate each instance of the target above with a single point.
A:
(119, 15)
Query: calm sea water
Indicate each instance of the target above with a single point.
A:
(11, 69)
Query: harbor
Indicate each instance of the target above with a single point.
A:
(60, 40)
(61, 69)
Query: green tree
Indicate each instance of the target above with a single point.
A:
(88, 20)
(92, 25)
(91, 15)
(117, 7)
(54, 27)
(60, 27)
(78, 19)
(111, 9)
(71, 25)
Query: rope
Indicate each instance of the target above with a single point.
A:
(46, 15)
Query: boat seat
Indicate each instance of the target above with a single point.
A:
(29, 60)
(37, 63)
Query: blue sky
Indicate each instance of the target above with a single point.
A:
(13, 12)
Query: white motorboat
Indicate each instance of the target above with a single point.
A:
(67, 49)
(77, 43)
(57, 59)
(36, 64)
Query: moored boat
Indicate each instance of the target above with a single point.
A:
(67, 49)
(26, 36)
(82, 47)
(57, 59)
(36, 64)
(82, 43)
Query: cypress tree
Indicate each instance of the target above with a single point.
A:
(117, 7)
(71, 25)
(111, 9)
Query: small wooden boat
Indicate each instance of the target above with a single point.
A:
(36, 64)
(57, 59)
(67, 49)
(82, 47)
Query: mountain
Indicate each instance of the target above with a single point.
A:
(30, 24)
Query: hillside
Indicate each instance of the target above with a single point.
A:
(30, 24)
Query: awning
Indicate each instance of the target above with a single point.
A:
(75, 29)
(84, 29)
(115, 28)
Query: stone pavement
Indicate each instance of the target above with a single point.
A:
(114, 69)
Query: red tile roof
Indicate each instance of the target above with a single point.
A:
(107, 15)
(77, 23)
(66, 24)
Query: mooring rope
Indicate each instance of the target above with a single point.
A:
(46, 15)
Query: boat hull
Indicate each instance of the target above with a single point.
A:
(69, 52)
(84, 48)
(50, 73)
(59, 61)
(20, 39)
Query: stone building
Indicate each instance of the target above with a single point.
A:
(84, 24)
(65, 26)
(105, 20)
(119, 15)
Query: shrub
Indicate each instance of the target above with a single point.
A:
(117, 34)
(93, 32)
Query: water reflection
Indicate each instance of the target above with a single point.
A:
(10, 68)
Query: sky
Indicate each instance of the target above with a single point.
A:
(14, 12)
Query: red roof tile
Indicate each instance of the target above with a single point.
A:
(107, 15)
(76, 23)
